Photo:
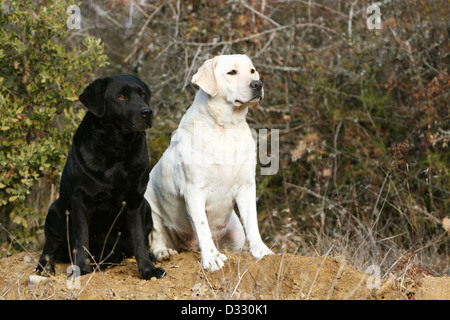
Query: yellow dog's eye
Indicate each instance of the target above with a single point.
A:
(121, 97)
(232, 72)
(252, 71)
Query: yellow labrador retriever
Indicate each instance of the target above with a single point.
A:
(208, 168)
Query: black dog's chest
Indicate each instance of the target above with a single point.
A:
(105, 190)
(123, 178)
(118, 175)
(105, 167)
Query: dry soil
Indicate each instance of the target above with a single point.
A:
(283, 276)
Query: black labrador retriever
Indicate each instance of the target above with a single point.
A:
(102, 186)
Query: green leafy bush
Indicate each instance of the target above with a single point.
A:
(40, 79)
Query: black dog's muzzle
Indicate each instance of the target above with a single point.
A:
(147, 115)
(146, 112)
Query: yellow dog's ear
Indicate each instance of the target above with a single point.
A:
(205, 77)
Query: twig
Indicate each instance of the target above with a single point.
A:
(209, 283)
(188, 74)
(68, 236)
(257, 35)
(139, 35)
(316, 4)
(318, 196)
(272, 36)
(336, 152)
(350, 16)
(258, 13)
(25, 249)
(105, 14)
(90, 277)
(110, 228)
(113, 248)
(9, 289)
(279, 273)
(406, 170)
(318, 271)
(333, 285)
(281, 68)
(378, 197)
(97, 267)
(242, 275)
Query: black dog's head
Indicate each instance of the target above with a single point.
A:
(124, 100)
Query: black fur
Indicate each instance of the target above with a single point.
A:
(107, 169)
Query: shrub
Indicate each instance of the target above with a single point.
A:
(40, 79)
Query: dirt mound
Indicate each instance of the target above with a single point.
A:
(274, 277)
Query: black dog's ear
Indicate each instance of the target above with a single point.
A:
(93, 97)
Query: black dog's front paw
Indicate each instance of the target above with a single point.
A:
(158, 273)
(148, 273)
(46, 267)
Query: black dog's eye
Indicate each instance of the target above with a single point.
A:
(121, 97)
(252, 71)
(232, 72)
(143, 95)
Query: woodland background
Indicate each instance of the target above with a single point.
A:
(363, 114)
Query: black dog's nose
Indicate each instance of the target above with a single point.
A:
(145, 112)
(256, 85)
